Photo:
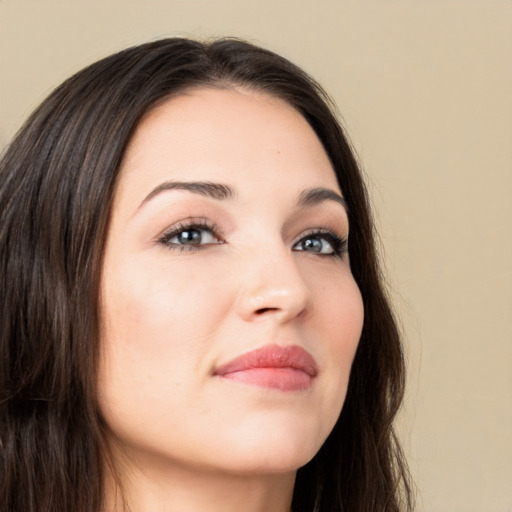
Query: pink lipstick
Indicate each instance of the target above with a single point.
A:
(288, 368)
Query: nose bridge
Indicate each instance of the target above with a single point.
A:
(272, 283)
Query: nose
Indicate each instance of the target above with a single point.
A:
(273, 288)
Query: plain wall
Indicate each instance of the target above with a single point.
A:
(425, 90)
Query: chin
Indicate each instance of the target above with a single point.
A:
(275, 451)
(262, 464)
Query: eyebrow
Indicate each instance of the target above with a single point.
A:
(205, 188)
(221, 192)
(314, 196)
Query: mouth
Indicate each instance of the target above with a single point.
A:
(288, 368)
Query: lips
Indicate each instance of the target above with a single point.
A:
(288, 368)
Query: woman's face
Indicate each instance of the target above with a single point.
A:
(230, 316)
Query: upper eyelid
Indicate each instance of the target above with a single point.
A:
(327, 228)
(337, 241)
(319, 231)
(326, 233)
(206, 224)
(189, 223)
(312, 203)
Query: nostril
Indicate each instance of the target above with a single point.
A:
(264, 310)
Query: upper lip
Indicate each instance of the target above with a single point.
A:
(271, 356)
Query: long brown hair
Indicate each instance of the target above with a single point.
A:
(57, 180)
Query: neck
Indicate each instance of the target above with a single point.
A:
(173, 488)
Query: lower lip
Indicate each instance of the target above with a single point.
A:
(282, 379)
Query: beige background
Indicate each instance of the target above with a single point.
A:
(425, 89)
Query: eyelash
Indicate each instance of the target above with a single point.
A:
(200, 225)
(338, 244)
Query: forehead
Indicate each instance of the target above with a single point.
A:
(236, 136)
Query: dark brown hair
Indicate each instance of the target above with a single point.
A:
(57, 181)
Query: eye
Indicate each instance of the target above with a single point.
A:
(190, 236)
(323, 242)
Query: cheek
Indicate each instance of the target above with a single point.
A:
(341, 322)
(155, 328)
(158, 306)
(339, 310)
(155, 322)
(350, 323)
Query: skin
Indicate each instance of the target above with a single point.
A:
(183, 439)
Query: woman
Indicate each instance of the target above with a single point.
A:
(182, 326)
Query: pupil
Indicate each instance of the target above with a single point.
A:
(313, 244)
(192, 236)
